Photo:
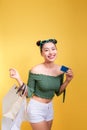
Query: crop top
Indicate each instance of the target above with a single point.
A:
(44, 86)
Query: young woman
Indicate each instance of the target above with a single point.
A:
(45, 80)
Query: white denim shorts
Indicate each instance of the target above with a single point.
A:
(38, 111)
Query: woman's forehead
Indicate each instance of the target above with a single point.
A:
(48, 45)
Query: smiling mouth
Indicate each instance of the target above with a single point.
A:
(51, 57)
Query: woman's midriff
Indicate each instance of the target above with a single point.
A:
(44, 100)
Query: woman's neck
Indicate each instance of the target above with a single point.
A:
(49, 64)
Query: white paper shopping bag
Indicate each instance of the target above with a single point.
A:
(12, 103)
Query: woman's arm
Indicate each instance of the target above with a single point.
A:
(14, 74)
(22, 87)
(69, 77)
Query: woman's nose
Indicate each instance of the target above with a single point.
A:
(50, 51)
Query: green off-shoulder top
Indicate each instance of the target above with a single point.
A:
(44, 86)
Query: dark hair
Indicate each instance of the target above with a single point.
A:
(38, 43)
(41, 43)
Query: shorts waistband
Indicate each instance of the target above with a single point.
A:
(38, 102)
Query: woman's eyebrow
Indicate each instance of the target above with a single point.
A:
(45, 48)
(48, 48)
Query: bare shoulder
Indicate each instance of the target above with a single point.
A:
(36, 69)
(58, 69)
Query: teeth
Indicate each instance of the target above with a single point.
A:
(51, 56)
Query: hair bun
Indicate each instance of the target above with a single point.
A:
(38, 43)
(55, 41)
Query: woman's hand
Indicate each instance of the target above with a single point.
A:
(69, 75)
(14, 74)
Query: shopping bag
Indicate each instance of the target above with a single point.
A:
(12, 103)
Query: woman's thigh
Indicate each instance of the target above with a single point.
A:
(44, 125)
(50, 124)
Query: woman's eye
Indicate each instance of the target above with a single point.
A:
(53, 49)
(46, 50)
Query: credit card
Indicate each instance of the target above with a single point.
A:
(64, 68)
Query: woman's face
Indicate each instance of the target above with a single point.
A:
(49, 52)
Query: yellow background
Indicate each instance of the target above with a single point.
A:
(22, 23)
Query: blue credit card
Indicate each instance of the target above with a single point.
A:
(64, 68)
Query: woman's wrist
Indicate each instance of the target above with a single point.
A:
(67, 81)
(20, 82)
